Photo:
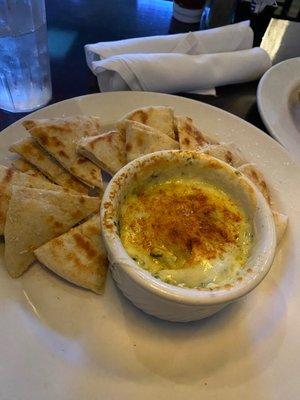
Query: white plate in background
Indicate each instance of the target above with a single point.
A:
(58, 341)
(278, 99)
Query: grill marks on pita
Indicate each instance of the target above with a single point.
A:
(79, 256)
(228, 153)
(20, 164)
(106, 150)
(142, 139)
(190, 137)
(142, 131)
(251, 171)
(157, 117)
(59, 137)
(10, 177)
(41, 160)
(34, 217)
(256, 177)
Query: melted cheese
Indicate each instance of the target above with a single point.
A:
(185, 232)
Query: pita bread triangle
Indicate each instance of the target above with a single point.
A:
(106, 150)
(20, 164)
(158, 117)
(79, 256)
(37, 156)
(142, 139)
(258, 179)
(255, 176)
(228, 153)
(10, 177)
(34, 217)
(59, 136)
(190, 137)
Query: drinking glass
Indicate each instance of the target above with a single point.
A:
(25, 82)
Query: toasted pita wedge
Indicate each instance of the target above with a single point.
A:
(59, 136)
(79, 256)
(106, 150)
(158, 117)
(22, 165)
(34, 217)
(142, 139)
(228, 153)
(190, 137)
(37, 156)
(9, 177)
(258, 179)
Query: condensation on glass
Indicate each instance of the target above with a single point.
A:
(25, 82)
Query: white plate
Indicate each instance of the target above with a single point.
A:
(60, 342)
(278, 99)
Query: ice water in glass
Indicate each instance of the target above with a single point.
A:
(25, 82)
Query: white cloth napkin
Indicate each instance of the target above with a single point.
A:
(178, 63)
(228, 38)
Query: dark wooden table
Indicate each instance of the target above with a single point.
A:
(74, 23)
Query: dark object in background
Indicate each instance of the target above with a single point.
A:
(182, 27)
(192, 4)
(218, 13)
(222, 12)
(259, 22)
(188, 11)
(286, 9)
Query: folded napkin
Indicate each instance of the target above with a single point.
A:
(178, 63)
(218, 40)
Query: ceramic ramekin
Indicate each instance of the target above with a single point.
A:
(161, 299)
